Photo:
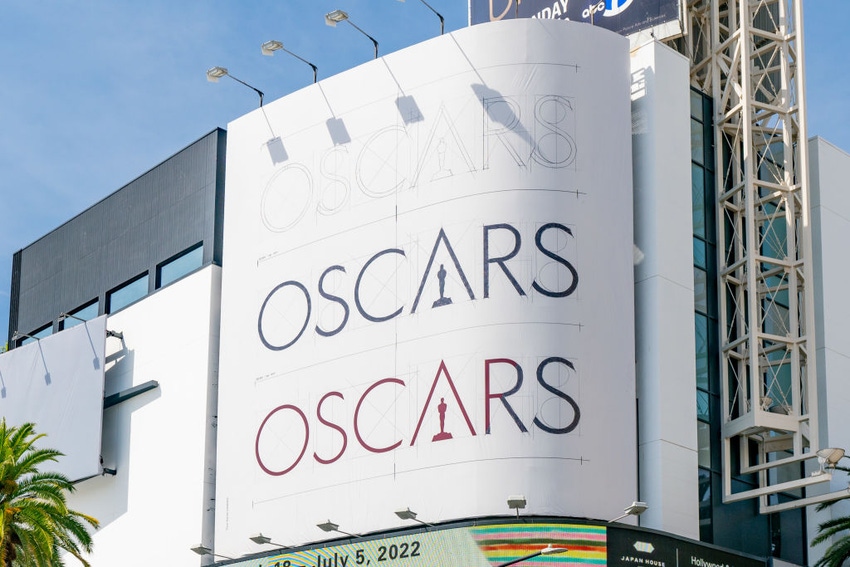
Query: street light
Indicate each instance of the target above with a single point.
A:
(215, 73)
(337, 16)
(548, 550)
(442, 20)
(269, 47)
(635, 509)
(202, 550)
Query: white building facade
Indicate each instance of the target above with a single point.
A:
(481, 267)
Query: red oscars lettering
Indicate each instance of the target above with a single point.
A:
(544, 391)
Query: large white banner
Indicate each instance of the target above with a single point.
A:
(427, 289)
(57, 384)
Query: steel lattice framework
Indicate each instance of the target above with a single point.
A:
(747, 54)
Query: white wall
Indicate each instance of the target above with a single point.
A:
(664, 290)
(153, 510)
(829, 171)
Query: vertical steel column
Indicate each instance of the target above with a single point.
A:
(748, 55)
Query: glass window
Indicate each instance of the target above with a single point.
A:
(700, 255)
(703, 444)
(696, 105)
(127, 293)
(697, 142)
(700, 290)
(84, 313)
(182, 264)
(701, 333)
(698, 199)
(702, 405)
(705, 510)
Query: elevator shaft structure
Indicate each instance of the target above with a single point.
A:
(748, 55)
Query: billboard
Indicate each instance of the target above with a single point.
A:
(57, 384)
(427, 297)
(488, 544)
(622, 16)
(473, 546)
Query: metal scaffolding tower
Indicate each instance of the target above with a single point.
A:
(748, 55)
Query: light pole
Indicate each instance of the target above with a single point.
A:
(215, 73)
(634, 509)
(269, 47)
(337, 16)
(442, 20)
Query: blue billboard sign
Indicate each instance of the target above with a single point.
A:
(622, 16)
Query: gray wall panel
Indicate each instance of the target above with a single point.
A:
(166, 210)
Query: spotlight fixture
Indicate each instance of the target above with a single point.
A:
(332, 527)
(215, 73)
(260, 539)
(337, 16)
(517, 502)
(269, 47)
(831, 456)
(408, 514)
(634, 509)
(202, 550)
(828, 458)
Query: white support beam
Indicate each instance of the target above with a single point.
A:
(803, 502)
(777, 488)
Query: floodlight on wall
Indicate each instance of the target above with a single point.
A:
(828, 458)
(17, 335)
(202, 550)
(215, 73)
(332, 527)
(517, 502)
(408, 514)
(442, 20)
(548, 550)
(269, 47)
(634, 509)
(337, 16)
(118, 335)
(260, 539)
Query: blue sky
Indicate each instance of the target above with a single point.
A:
(93, 93)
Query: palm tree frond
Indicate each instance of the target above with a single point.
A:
(36, 525)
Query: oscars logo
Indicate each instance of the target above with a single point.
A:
(441, 276)
(443, 434)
